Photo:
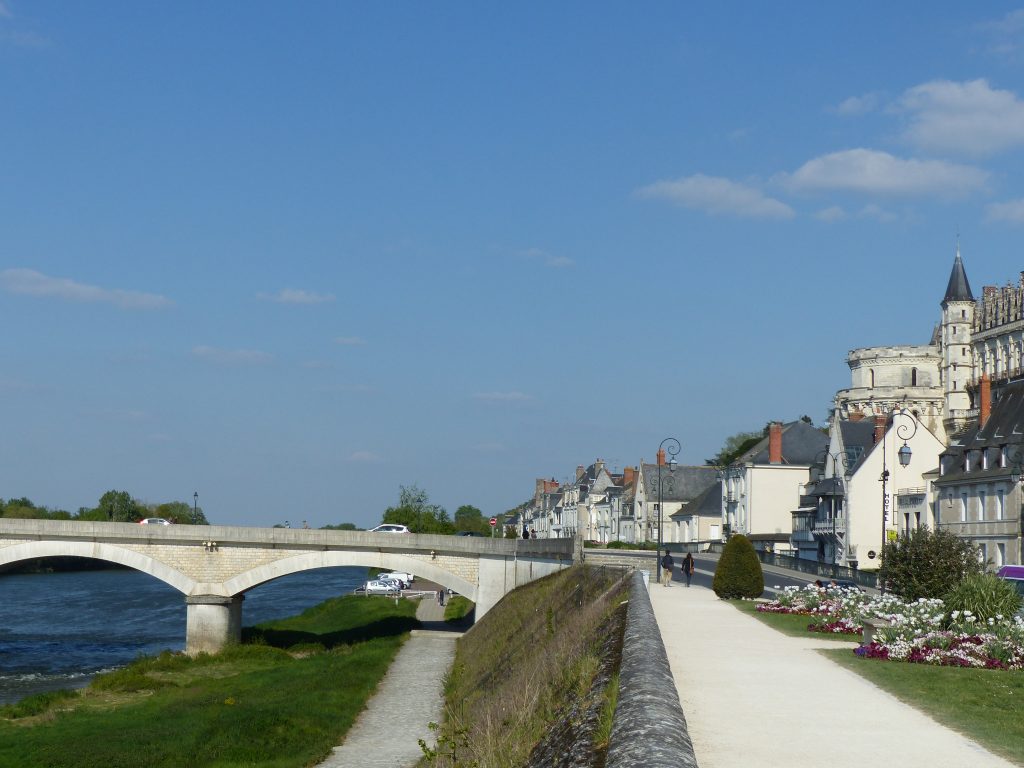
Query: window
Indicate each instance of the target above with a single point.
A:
(1000, 554)
(963, 352)
(982, 497)
(954, 330)
(913, 377)
(984, 458)
(963, 507)
(1000, 503)
(963, 313)
(872, 371)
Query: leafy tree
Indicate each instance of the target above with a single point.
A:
(734, 447)
(415, 512)
(926, 563)
(180, 512)
(739, 571)
(120, 507)
(470, 518)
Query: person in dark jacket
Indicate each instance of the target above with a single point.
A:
(666, 569)
(688, 566)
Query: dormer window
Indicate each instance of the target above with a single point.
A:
(967, 461)
(1002, 457)
(984, 458)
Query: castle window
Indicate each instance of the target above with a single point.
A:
(913, 377)
(963, 313)
(872, 376)
(963, 351)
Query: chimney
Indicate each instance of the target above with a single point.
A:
(579, 472)
(880, 422)
(661, 457)
(627, 476)
(986, 400)
(775, 443)
(598, 466)
(856, 416)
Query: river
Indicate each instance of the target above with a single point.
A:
(57, 630)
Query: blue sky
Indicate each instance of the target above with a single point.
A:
(293, 257)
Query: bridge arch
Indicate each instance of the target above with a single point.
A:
(111, 553)
(330, 559)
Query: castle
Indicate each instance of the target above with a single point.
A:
(939, 382)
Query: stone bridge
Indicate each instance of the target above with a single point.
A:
(213, 566)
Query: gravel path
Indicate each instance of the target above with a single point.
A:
(410, 696)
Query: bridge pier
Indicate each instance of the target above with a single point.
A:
(212, 622)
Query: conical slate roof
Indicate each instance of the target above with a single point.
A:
(958, 289)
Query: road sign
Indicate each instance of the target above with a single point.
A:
(494, 521)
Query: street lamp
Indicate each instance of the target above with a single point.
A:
(195, 507)
(904, 432)
(673, 451)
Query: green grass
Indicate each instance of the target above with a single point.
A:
(252, 705)
(457, 608)
(983, 704)
(792, 624)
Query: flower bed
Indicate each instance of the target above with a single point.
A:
(918, 632)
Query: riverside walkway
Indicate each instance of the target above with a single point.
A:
(409, 697)
(755, 697)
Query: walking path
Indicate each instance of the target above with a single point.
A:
(409, 697)
(753, 696)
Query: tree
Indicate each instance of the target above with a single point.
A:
(734, 447)
(926, 563)
(469, 518)
(181, 512)
(120, 507)
(739, 571)
(415, 512)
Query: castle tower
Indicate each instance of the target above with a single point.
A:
(957, 365)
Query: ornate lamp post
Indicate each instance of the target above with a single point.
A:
(195, 507)
(904, 432)
(673, 451)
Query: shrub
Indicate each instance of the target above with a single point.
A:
(925, 563)
(36, 704)
(985, 597)
(739, 571)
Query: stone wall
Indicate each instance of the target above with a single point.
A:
(649, 730)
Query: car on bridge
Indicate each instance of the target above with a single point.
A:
(389, 528)
(154, 521)
(379, 587)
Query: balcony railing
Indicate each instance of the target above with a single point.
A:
(828, 526)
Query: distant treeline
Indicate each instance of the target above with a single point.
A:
(113, 506)
(59, 565)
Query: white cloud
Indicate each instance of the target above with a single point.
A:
(873, 211)
(555, 262)
(857, 105)
(231, 356)
(1006, 33)
(350, 341)
(296, 296)
(873, 172)
(965, 118)
(31, 283)
(1011, 211)
(366, 456)
(715, 195)
(503, 397)
(832, 213)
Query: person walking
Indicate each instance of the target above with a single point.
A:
(688, 566)
(666, 569)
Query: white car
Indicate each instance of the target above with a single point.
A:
(389, 528)
(154, 521)
(377, 587)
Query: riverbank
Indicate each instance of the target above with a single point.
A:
(286, 699)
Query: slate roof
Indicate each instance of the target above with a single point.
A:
(1005, 426)
(709, 503)
(684, 484)
(801, 444)
(958, 288)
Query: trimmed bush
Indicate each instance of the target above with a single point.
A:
(739, 571)
(985, 596)
(926, 563)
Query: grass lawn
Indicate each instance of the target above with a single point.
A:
(457, 608)
(790, 623)
(281, 701)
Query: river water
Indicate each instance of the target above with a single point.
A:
(57, 630)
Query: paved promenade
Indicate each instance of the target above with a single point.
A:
(755, 697)
(409, 697)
